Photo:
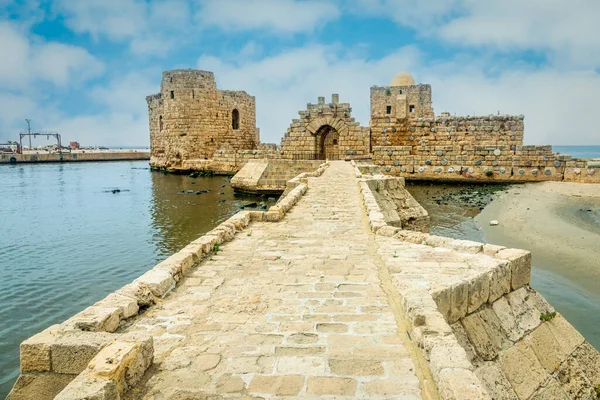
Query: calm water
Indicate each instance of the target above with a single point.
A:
(455, 219)
(578, 151)
(67, 240)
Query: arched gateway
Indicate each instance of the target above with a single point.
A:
(325, 132)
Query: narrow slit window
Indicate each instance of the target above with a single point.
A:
(172, 94)
(235, 119)
(411, 108)
(160, 123)
(388, 110)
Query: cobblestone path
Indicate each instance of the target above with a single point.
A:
(294, 309)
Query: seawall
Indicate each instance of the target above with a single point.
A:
(31, 158)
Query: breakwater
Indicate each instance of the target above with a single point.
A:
(268, 305)
(79, 156)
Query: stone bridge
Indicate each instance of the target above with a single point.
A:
(328, 294)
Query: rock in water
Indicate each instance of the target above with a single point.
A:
(494, 223)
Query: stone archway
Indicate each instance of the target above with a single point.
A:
(325, 131)
(327, 141)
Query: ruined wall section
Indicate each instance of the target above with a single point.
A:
(190, 118)
(302, 141)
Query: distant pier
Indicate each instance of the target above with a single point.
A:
(79, 156)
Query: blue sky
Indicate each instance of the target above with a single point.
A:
(84, 67)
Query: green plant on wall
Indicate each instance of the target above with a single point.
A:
(216, 248)
(489, 172)
(388, 92)
(548, 317)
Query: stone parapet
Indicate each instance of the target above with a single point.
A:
(270, 176)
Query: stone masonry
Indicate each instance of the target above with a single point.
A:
(318, 298)
(325, 132)
(190, 119)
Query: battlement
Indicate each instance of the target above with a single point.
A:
(188, 79)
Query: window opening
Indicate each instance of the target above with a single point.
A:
(388, 110)
(172, 94)
(160, 123)
(235, 119)
(412, 108)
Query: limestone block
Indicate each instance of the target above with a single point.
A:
(139, 292)
(574, 382)
(522, 369)
(159, 282)
(442, 296)
(447, 353)
(85, 387)
(479, 291)
(207, 243)
(589, 360)
(96, 319)
(485, 334)
(527, 316)
(37, 386)
(144, 357)
(550, 391)
(500, 281)
(73, 350)
(127, 306)
(185, 259)
(546, 348)
(283, 385)
(460, 384)
(35, 351)
(466, 246)
(494, 381)
(568, 338)
(520, 266)
(326, 385)
(458, 301)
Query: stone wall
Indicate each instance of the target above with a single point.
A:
(325, 131)
(74, 157)
(190, 119)
(270, 176)
(484, 332)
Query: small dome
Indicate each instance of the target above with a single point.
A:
(403, 79)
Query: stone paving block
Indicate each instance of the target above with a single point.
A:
(276, 385)
(522, 369)
(356, 367)
(398, 388)
(333, 386)
(89, 388)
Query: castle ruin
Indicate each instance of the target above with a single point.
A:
(195, 126)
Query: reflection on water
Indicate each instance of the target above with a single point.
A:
(68, 240)
(451, 216)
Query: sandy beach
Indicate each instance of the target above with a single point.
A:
(558, 222)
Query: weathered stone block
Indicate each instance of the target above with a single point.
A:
(35, 351)
(479, 291)
(447, 353)
(500, 281)
(73, 350)
(282, 385)
(522, 368)
(494, 381)
(459, 301)
(157, 281)
(38, 386)
(574, 382)
(546, 348)
(96, 319)
(568, 338)
(520, 266)
(589, 360)
(460, 384)
(325, 385)
(127, 306)
(85, 387)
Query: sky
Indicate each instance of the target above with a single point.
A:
(83, 67)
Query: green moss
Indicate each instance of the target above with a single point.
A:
(548, 317)
(216, 248)
(597, 389)
(489, 172)
(388, 92)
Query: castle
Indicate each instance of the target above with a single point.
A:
(195, 126)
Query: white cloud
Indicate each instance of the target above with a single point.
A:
(558, 105)
(148, 27)
(422, 15)
(286, 16)
(29, 60)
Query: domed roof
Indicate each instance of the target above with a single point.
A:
(403, 79)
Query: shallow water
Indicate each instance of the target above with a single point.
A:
(455, 219)
(68, 240)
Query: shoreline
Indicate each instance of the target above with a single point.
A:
(551, 219)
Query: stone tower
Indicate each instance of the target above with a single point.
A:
(190, 119)
(395, 107)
